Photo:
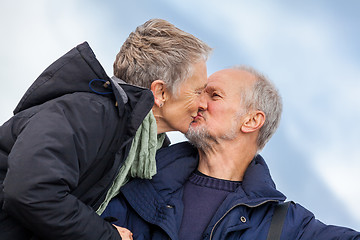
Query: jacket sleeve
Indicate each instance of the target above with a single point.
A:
(51, 151)
(301, 224)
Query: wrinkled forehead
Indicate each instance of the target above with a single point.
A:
(222, 81)
(229, 80)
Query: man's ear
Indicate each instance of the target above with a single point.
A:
(158, 89)
(253, 121)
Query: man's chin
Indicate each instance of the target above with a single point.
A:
(193, 126)
(198, 136)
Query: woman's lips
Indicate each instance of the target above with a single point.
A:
(198, 117)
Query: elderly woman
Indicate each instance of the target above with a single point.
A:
(77, 135)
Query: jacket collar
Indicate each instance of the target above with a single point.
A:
(258, 185)
(177, 162)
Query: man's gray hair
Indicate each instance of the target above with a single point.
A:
(264, 97)
(157, 50)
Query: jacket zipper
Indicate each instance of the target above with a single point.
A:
(105, 191)
(240, 204)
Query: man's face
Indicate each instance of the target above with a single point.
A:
(180, 110)
(223, 117)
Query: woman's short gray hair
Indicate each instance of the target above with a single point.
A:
(157, 50)
(264, 97)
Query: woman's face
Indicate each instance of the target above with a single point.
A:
(181, 108)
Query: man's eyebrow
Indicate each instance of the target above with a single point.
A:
(214, 89)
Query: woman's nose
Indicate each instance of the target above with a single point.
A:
(202, 101)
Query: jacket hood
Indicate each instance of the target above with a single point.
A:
(80, 71)
(70, 73)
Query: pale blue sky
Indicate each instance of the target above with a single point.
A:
(309, 49)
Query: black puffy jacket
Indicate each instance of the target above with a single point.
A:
(64, 145)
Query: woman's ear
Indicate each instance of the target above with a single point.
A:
(158, 89)
(253, 121)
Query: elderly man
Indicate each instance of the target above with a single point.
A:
(224, 190)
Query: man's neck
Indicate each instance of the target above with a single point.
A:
(227, 160)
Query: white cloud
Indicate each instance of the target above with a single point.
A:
(37, 33)
(339, 167)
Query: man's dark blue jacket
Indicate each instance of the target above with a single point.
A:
(152, 209)
(62, 149)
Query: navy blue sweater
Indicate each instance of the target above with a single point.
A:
(202, 197)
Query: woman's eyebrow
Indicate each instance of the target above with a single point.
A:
(203, 87)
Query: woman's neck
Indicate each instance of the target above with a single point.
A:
(160, 123)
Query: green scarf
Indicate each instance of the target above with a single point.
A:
(141, 161)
